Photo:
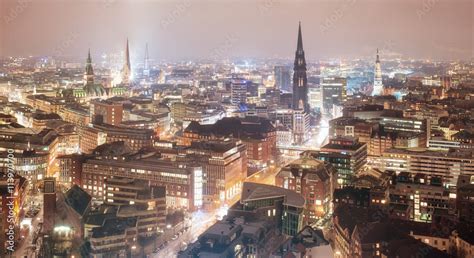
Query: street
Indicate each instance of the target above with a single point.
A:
(200, 222)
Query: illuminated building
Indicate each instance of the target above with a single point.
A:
(378, 85)
(96, 135)
(76, 115)
(301, 127)
(40, 119)
(46, 103)
(282, 78)
(12, 191)
(346, 154)
(70, 169)
(315, 180)
(258, 134)
(445, 165)
(300, 80)
(107, 112)
(137, 198)
(29, 164)
(114, 236)
(7, 119)
(423, 196)
(238, 91)
(224, 166)
(315, 98)
(333, 92)
(282, 206)
(184, 186)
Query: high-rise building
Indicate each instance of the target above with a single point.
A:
(333, 92)
(300, 80)
(301, 126)
(127, 69)
(282, 78)
(89, 74)
(378, 86)
(238, 91)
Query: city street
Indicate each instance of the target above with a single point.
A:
(24, 247)
(201, 220)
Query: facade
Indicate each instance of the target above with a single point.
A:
(282, 78)
(315, 180)
(183, 182)
(284, 206)
(258, 134)
(425, 197)
(70, 169)
(76, 115)
(238, 92)
(95, 135)
(224, 169)
(107, 112)
(29, 164)
(301, 126)
(333, 92)
(447, 166)
(137, 198)
(346, 154)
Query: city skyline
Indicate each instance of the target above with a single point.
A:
(337, 30)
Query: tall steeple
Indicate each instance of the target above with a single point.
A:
(378, 85)
(300, 80)
(89, 73)
(126, 70)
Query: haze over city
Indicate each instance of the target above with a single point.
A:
(191, 29)
(268, 128)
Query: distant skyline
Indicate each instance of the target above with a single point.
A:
(197, 29)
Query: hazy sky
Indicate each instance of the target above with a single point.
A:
(178, 29)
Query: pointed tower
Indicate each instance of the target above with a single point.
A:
(146, 69)
(378, 86)
(300, 80)
(126, 70)
(89, 73)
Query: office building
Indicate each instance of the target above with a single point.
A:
(346, 154)
(107, 112)
(333, 92)
(282, 78)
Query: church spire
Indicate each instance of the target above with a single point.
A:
(378, 85)
(377, 60)
(126, 71)
(300, 39)
(300, 80)
(89, 73)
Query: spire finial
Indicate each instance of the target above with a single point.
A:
(300, 38)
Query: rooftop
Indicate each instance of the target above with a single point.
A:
(254, 191)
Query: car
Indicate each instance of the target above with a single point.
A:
(174, 237)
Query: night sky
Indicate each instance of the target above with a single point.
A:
(187, 29)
